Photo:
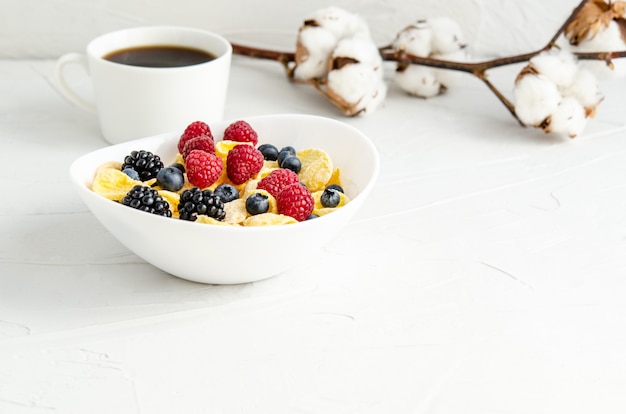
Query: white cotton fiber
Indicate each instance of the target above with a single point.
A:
(446, 35)
(536, 98)
(568, 118)
(415, 39)
(319, 44)
(557, 65)
(418, 81)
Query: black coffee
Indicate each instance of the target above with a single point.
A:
(159, 56)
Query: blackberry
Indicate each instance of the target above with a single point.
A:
(144, 162)
(146, 199)
(194, 202)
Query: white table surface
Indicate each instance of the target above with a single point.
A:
(485, 274)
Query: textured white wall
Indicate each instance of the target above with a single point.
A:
(48, 28)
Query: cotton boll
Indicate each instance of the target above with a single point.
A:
(314, 47)
(557, 65)
(447, 35)
(362, 50)
(357, 27)
(340, 22)
(355, 77)
(359, 87)
(449, 77)
(418, 81)
(374, 99)
(536, 98)
(584, 88)
(607, 40)
(568, 118)
(415, 39)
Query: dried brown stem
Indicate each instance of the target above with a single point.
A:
(478, 69)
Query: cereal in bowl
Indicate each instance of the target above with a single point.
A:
(232, 182)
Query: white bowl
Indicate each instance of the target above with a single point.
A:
(229, 254)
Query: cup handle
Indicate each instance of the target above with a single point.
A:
(64, 87)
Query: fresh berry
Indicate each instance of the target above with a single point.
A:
(336, 187)
(195, 129)
(241, 131)
(203, 168)
(291, 162)
(284, 153)
(180, 166)
(170, 178)
(312, 216)
(330, 198)
(131, 173)
(202, 142)
(278, 179)
(242, 163)
(226, 192)
(257, 203)
(195, 202)
(269, 151)
(295, 201)
(144, 162)
(147, 199)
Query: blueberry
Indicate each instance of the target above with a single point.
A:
(170, 178)
(292, 163)
(269, 151)
(178, 165)
(336, 187)
(330, 198)
(226, 192)
(257, 203)
(312, 216)
(131, 173)
(284, 153)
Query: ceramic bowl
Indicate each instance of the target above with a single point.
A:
(227, 254)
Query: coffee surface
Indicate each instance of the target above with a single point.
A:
(159, 56)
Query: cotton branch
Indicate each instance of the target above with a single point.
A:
(477, 69)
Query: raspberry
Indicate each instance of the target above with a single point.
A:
(278, 179)
(202, 142)
(242, 163)
(295, 201)
(203, 168)
(195, 129)
(241, 131)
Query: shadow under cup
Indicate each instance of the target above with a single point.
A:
(138, 101)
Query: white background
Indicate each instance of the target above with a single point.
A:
(46, 29)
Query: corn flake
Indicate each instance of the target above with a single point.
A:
(320, 210)
(268, 219)
(112, 183)
(236, 211)
(317, 168)
(210, 220)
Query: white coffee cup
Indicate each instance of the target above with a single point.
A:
(137, 101)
